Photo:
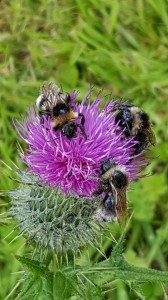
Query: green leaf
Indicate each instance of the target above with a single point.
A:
(71, 283)
(118, 268)
(65, 284)
(38, 281)
(63, 287)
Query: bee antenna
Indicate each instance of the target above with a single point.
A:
(147, 175)
(93, 177)
(61, 88)
(82, 130)
(128, 127)
(76, 196)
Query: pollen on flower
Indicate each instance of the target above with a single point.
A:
(75, 163)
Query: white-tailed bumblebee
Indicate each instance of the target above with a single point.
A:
(111, 193)
(55, 104)
(113, 182)
(135, 122)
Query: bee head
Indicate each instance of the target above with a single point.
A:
(106, 165)
(125, 117)
(69, 130)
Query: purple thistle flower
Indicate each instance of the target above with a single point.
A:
(74, 164)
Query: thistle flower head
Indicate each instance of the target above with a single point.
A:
(58, 164)
(75, 163)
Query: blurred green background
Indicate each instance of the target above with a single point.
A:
(121, 46)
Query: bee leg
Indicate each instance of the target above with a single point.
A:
(41, 114)
(76, 196)
(81, 126)
(82, 130)
(127, 126)
(69, 174)
(82, 118)
(98, 192)
(140, 147)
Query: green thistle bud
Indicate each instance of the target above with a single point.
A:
(50, 218)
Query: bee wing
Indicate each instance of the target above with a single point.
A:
(52, 93)
(121, 203)
(49, 88)
(151, 136)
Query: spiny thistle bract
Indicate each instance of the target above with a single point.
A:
(49, 218)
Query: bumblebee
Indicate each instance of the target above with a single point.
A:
(111, 193)
(55, 104)
(113, 182)
(135, 122)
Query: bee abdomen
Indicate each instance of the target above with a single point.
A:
(41, 103)
(108, 202)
